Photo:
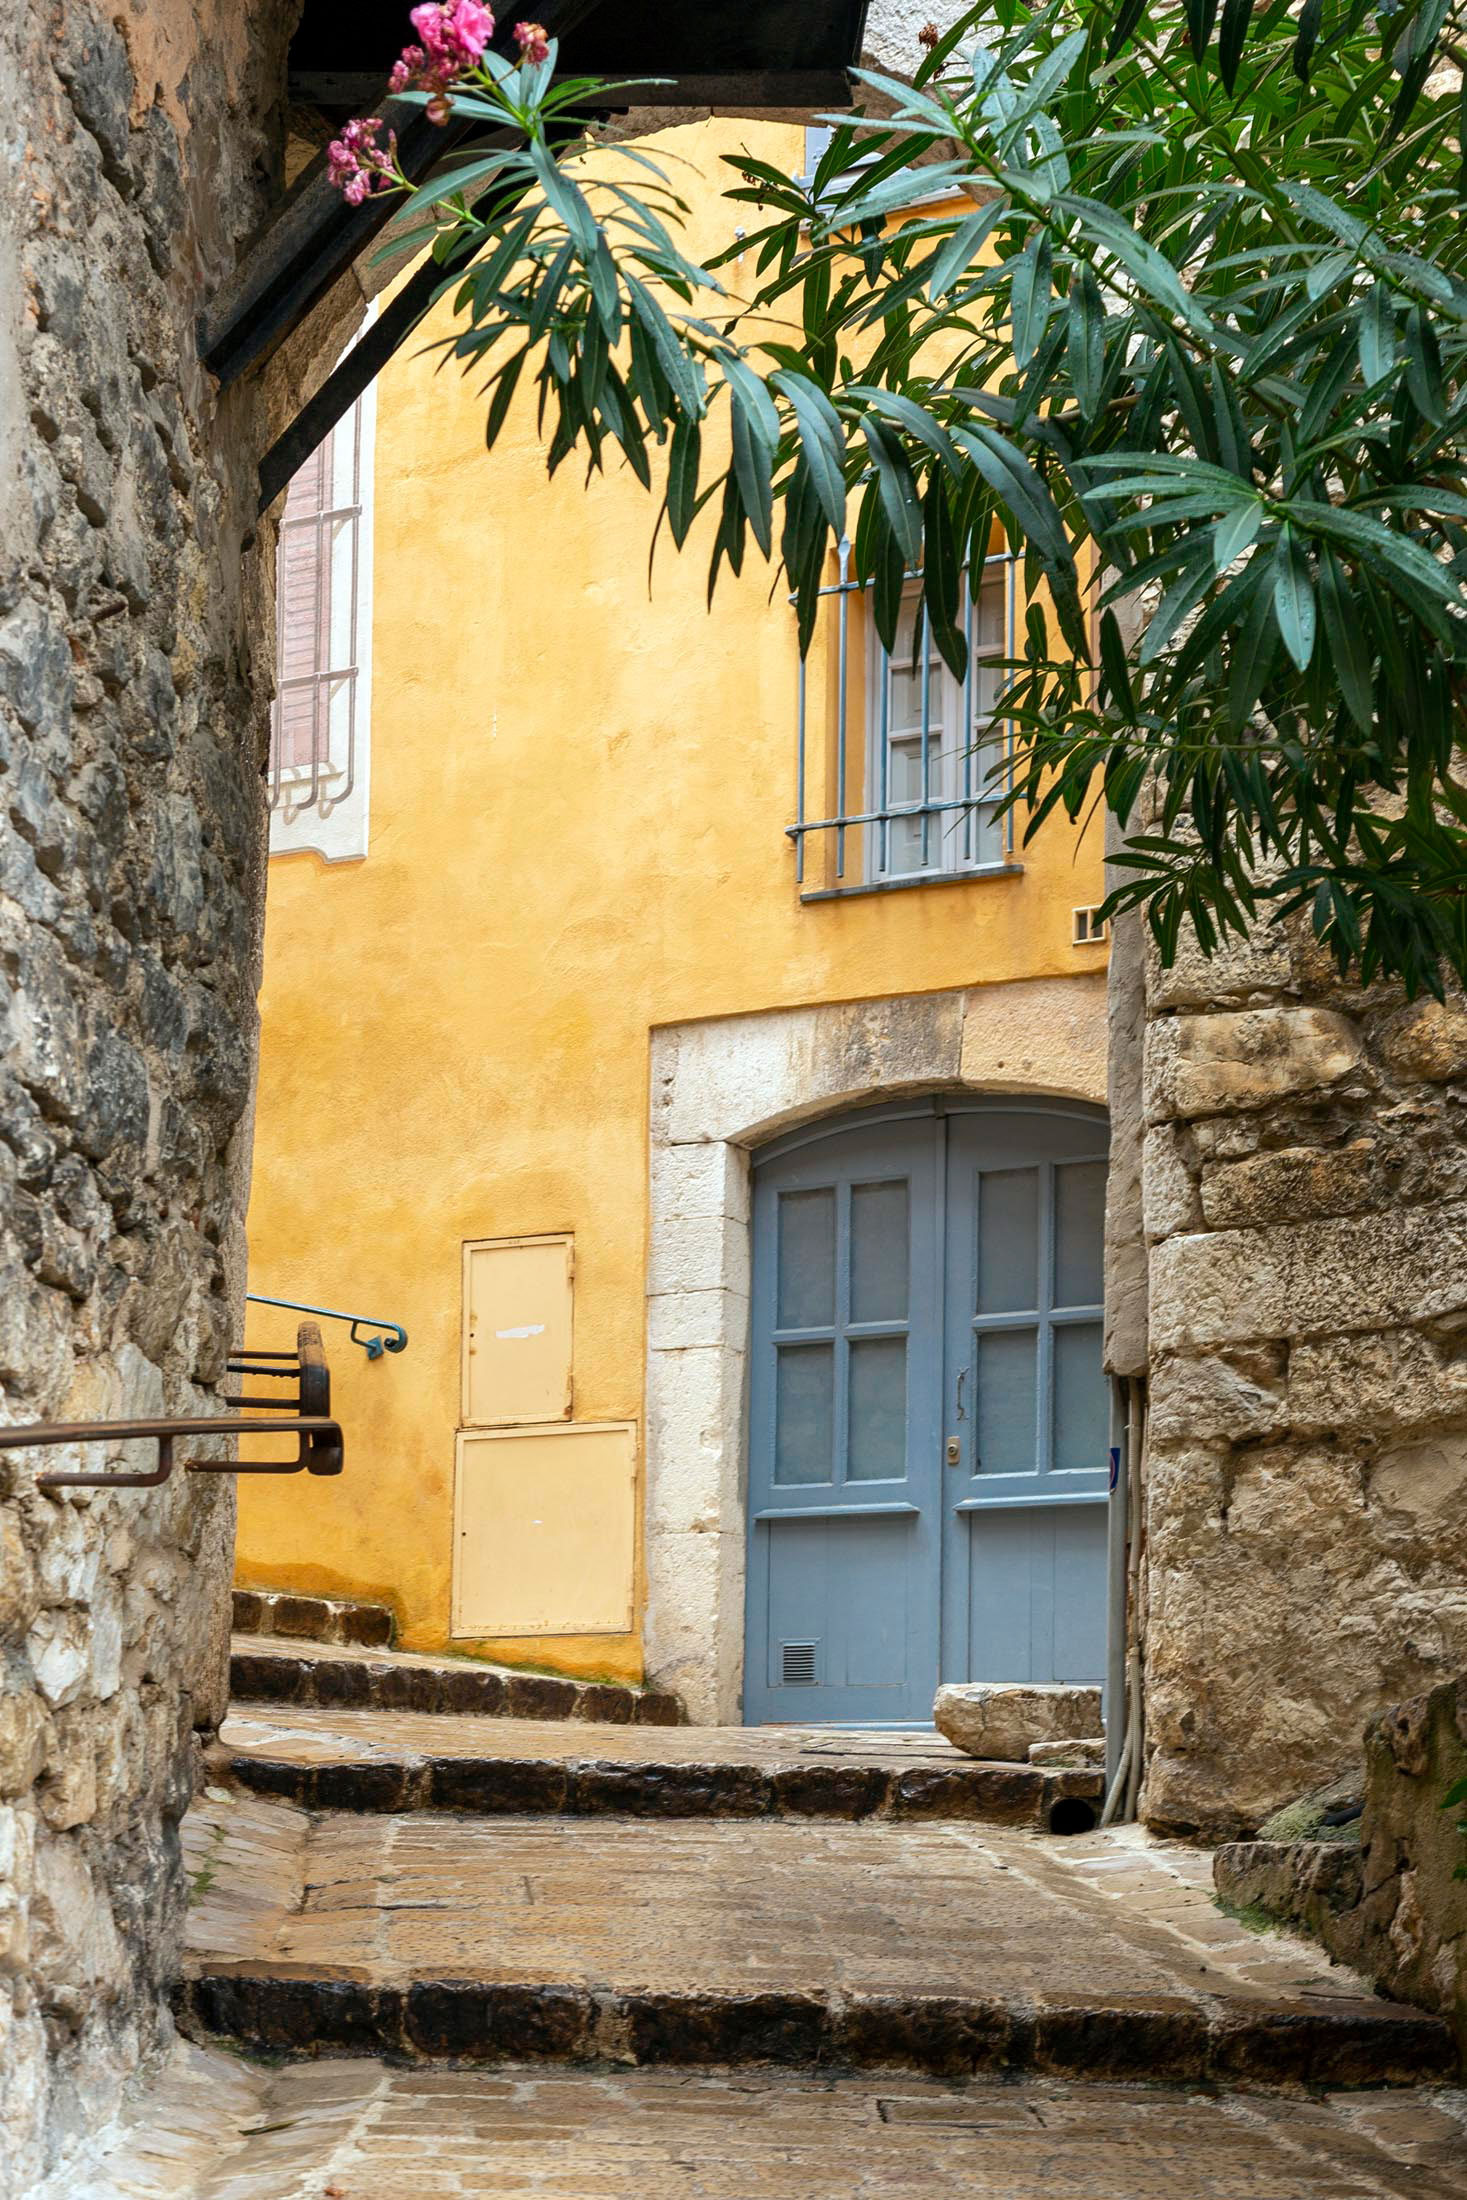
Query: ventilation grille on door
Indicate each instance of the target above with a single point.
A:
(797, 1664)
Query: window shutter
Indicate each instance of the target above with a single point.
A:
(316, 625)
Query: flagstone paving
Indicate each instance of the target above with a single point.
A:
(217, 2129)
(946, 1947)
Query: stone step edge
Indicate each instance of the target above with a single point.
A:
(1010, 1795)
(295, 1616)
(1161, 2038)
(392, 1683)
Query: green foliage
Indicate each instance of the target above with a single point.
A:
(1194, 339)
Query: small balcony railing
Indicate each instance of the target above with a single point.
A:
(900, 769)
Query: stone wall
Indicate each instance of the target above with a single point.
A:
(134, 686)
(1304, 1194)
(1393, 1905)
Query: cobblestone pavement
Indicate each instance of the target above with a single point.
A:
(217, 2129)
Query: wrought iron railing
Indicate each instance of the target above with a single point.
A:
(320, 1446)
(955, 750)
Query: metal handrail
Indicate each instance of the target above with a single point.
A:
(320, 1449)
(374, 1347)
(320, 1452)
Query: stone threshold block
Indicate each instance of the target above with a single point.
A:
(263, 1669)
(1001, 1721)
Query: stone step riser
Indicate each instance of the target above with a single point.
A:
(1165, 2039)
(262, 1676)
(341, 1620)
(1008, 1795)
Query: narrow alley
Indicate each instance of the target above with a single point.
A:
(564, 1956)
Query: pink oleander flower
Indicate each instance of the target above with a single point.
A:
(407, 68)
(534, 41)
(358, 165)
(454, 34)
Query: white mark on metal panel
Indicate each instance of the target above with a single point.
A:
(530, 1329)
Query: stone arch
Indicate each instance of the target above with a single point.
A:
(720, 1088)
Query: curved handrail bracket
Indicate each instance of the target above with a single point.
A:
(392, 1338)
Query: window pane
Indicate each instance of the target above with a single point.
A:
(879, 1252)
(904, 846)
(1081, 1422)
(806, 1260)
(906, 698)
(803, 1416)
(1005, 1378)
(1008, 1240)
(991, 622)
(1079, 1233)
(878, 1410)
(904, 777)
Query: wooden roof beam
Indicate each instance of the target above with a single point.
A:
(315, 236)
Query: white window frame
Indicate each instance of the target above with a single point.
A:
(336, 823)
(966, 835)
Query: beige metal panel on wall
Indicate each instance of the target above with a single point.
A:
(545, 1530)
(517, 1330)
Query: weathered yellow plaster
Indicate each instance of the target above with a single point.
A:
(579, 793)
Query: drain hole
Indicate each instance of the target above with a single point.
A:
(1072, 1814)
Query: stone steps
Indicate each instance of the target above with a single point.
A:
(951, 1951)
(314, 1619)
(321, 1759)
(266, 1669)
(1118, 2037)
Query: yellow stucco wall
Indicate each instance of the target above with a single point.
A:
(579, 794)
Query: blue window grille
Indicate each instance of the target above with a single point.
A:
(900, 768)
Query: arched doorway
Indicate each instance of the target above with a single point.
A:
(927, 1408)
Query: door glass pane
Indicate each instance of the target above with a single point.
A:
(878, 1402)
(1004, 1379)
(1079, 1233)
(1081, 1421)
(806, 1260)
(879, 1252)
(1008, 1240)
(803, 1413)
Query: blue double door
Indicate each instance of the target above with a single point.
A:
(927, 1411)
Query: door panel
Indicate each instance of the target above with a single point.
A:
(1025, 1405)
(844, 1396)
(1036, 1593)
(927, 1413)
(839, 1600)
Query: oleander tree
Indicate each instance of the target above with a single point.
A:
(1171, 292)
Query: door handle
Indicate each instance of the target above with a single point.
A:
(954, 1452)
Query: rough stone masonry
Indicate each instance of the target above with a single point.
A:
(1302, 1180)
(139, 145)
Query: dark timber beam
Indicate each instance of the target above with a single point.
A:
(316, 236)
(394, 324)
(809, 90)
(751, 89)
(311, 243)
